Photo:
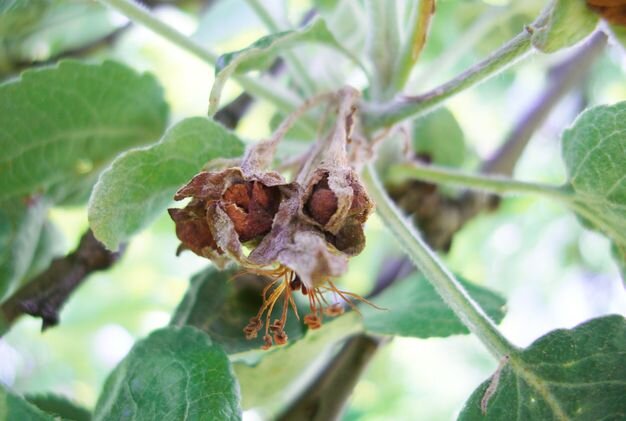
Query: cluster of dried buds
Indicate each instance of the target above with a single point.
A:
(299, 233)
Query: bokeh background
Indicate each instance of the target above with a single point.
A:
(554, 273)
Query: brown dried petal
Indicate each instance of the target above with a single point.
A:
(298, 245)
(236, 208)
(194, 232)
(251, 206)
(209, 185)
(238, 195)
(310, 256)
(362, 205)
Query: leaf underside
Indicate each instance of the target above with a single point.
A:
(413, 308)
(15, 408)
(141, 183)
(594, 151)
(574, 374)
(173, 374)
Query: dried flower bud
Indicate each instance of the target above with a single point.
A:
(299, 234)
(336, 201)
(227, 209)
(322, 204)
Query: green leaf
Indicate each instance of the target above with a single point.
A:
(440, 136)
(383, 45)
(283, 371)
(15, 408)
(65, 26)
(60, 407)
(17, 16)
(562, 24)
(141, 183)
(262, 53)
(65, 123)
(594, 151)
(20, 229)
(413, 308)
(568, 374)
(173, 374)
(221, 304)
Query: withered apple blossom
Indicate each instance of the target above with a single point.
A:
(298, 233)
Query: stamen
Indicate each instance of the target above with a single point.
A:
(286, 281)
(334, 310)
(267, 339)
(355, 296)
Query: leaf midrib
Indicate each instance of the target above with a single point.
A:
(540, 386)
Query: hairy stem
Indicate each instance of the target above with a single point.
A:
(385, 115)
(261, 89)
(450, 290)
(562, 78)
(450, 56)
(492, 184)
(414, 45)
(299, 72)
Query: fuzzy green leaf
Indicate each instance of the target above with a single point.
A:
(15, 408)
(413, 308)
(222, 302)
(262, 53)
(141, 183)
(440, 136)
(173, 374)
(562, 24)
(17, 16)
(594, 151)
(568, 374)
(59, 406)
(20, 229)
(62, 124)
(65, 26)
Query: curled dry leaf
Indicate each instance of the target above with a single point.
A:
(614, 11)
(300, 234)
